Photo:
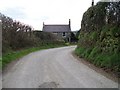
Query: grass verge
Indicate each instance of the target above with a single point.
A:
(13, 55)
(107, 61)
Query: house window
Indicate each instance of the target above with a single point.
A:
(63, 33)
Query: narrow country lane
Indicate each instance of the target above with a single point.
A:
(54, 68)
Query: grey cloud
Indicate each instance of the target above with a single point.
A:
(16, 12)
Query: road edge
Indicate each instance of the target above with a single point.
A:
(108, 75)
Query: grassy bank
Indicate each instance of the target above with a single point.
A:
(13, 55)
(0, 62)
(99, 38)
(108, 61)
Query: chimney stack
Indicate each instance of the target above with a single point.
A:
(43, 24)
(69, 22)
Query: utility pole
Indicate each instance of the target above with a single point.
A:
(92, 2)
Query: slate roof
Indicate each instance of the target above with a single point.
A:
(56, 28)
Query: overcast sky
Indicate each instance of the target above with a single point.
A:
(35, 12)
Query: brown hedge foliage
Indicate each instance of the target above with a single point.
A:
(16, 35)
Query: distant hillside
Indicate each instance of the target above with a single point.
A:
(99, 39)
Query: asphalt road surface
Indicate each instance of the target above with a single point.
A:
(54, 68)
